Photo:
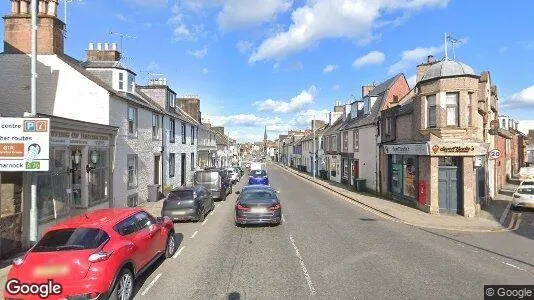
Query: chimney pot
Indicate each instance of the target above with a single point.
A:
(24, 7)
(42, 7)
(15, 7)
(91, 46)
(52, 8)
(114, 46)
(106, 46)
(99, 46)
(430, 59)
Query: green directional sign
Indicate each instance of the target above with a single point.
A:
(33, 165)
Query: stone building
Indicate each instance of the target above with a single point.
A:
(434, 150)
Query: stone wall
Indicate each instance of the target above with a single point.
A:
(10, 234)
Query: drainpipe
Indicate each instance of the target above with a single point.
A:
(377, 172)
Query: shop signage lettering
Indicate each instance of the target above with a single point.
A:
(67, 138)
(408, 149)
(462, 149)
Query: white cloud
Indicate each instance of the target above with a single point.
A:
(371, 58)
(336, 87)
(244, 46)
(205, 70)
(288, 66)
(122, 17)
(329, 68)
(521, 99)
(181, 31)
(296, 103)
(245, 13)
(412, 57)
(304, 118)
(411, 80)
(324, 19)
(201, 53)
(242, 120)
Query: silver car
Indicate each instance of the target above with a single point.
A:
(258, 204)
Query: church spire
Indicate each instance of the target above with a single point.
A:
(265, 134)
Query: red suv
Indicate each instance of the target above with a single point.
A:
(96, 255)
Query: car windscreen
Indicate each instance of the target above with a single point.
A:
(258, 173)
(181, 195)
(526, 190)
(71, 239)
(258, 197)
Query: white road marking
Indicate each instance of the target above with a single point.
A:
(303, 266)
(283, 219)
(212, 212)
(193, 236)
(151, 284)
(217, 205)
(505, 213)
(509, 264)
(178, 252)
(204, 221)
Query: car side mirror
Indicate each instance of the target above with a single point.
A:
(160, 220)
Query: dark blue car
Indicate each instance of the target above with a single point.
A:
(258, 177)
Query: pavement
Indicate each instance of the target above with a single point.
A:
(330, 247)
(488, 222)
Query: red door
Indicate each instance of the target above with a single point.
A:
(355, 169)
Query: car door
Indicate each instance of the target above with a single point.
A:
(148, 235)
(128, 230)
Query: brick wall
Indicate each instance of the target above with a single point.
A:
(17, 34)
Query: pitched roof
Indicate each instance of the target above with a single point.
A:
(335, 126)
(380, 91)
(106, 65)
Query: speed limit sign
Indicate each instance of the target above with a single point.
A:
(494, 154)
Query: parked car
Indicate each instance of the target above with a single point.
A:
(523, 197)
(96, 255)
(232, 174)
(258, 177)
(255, 166)
(258, 204)
(239, 171)
(215, 181)
(189, 203)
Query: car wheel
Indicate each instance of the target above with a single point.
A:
(170, 247)
(123, 288)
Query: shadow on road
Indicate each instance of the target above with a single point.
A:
(140, 281)
(234, 296)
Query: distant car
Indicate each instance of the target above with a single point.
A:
(189, 203)
(255, 166)
(239, 171)
(523, 197)
(258, 177)
(258, 205)
(215, 181)
(96, 255)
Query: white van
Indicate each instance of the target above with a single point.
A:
(255, 166)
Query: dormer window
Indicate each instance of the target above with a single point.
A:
(366, 106)
(121, 81)
(131, 83)
(171, 99)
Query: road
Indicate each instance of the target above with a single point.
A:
(327, 248)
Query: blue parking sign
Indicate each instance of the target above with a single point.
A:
(29, 126)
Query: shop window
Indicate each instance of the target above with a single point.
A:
(410, 176)
(132, 163)
(403, 180)
(431, 114)
(98, 186)
(52, 187)
(451, 108)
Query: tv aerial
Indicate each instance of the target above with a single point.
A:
(122, 37)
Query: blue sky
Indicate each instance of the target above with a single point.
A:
(279, 62)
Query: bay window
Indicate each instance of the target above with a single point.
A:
(451, 108)
(431, 113)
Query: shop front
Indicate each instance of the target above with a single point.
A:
(403, 170)
(80, 173)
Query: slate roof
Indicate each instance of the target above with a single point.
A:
(318, 132)
(106, 65)
(380, 91)
(334, 127)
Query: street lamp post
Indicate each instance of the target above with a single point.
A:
(33, 113)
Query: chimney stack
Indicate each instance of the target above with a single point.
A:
(423, 68)
(366, 89)
(105, 53)
(17, 28)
